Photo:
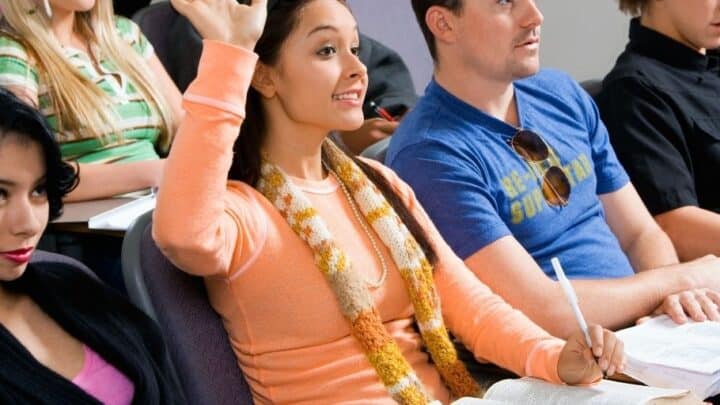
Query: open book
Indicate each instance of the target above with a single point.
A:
(533, 391)
(664, 354)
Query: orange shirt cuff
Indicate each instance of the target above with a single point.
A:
(224, 75)
(543, 360)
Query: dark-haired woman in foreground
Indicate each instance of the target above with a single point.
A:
(64, 337)
(322, 265)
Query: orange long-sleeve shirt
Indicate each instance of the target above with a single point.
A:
(283, 320)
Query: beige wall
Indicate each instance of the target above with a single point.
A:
(581, 37)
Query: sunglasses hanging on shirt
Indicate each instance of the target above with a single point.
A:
(533, 149)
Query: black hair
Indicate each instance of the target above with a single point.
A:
(420, 7)
(21, 121)
(282, 19)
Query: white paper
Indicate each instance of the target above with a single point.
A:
(665, 354)
(120, 218)
(534, 391)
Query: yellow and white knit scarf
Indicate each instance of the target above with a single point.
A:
(349, 286)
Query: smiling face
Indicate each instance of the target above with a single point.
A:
(318, 78)
(695, 23)
(498, 38)
(24, 207)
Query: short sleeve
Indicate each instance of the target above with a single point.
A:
(649, 141)
(611, 175)
(453, 192)
(18, 71)
(131, 33)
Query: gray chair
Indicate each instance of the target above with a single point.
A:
(197, 342)
(377, 151)
(592, 86)
(155, 21)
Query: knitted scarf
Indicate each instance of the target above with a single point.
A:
(349, 286)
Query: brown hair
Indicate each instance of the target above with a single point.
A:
(633, 7)
(421, 7)
(281, 20)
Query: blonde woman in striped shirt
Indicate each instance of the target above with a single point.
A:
(97, 80)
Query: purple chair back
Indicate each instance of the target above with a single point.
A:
(43, 256)
(197, 342)
(154, 21)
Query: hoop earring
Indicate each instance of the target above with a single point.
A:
(48, 9)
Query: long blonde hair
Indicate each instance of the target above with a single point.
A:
(81, 106)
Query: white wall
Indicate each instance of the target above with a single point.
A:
(581, 37)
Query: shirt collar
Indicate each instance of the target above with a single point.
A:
(658, 46)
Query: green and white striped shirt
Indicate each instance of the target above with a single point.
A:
(139, 119)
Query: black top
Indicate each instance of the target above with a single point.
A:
(100, 318)
(661, 106)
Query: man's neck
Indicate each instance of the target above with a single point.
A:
(491, 96)
(659, 21)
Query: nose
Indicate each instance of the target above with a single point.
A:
(532, 18)
(354, 68)
(25, 218)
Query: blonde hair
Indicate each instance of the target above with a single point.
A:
(81, 106)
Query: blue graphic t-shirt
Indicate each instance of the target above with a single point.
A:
(477, 189)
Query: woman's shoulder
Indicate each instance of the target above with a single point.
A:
(132, 34)
(126, 27)
(12, 44)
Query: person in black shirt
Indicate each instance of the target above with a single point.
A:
(660, 105)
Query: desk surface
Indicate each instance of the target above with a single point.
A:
(79, 212)
(76, 215)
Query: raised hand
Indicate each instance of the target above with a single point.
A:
(578, 364)
(226, 20)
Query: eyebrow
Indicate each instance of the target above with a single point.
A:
(326, 27)
(5, 182)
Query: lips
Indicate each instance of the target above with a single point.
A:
(530, 41)
(19, 256)
(350, 95)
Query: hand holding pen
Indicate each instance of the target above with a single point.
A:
(591, 352)
(381, 112)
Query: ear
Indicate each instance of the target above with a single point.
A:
(262, 80)
(441, 22)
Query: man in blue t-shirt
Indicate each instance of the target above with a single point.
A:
(508, 200)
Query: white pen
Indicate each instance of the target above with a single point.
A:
(571, 297)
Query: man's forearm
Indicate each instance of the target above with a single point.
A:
(695, 232)
(652, 249)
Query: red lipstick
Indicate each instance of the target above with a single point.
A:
(19, 256)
